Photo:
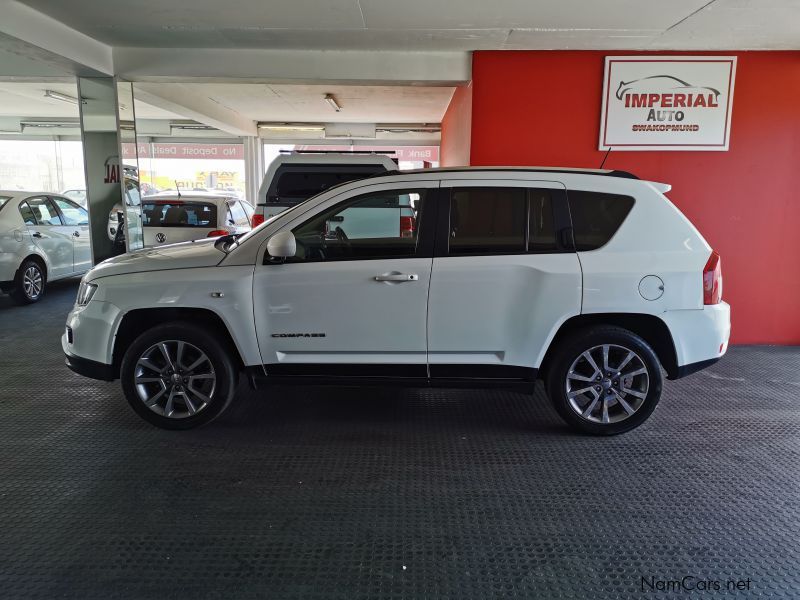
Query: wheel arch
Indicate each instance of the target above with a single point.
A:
(137, 321)
(40, 258)
(650, 328)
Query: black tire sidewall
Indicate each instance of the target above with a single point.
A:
(217, 352)
(572, 347)
(18, 293)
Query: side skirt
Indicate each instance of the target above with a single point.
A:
(459, 376)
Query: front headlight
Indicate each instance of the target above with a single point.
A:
(85, 293)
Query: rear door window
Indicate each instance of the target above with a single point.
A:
(503, 220)
(42, 210)
(178, 214)
(487, 220)
(596, 217)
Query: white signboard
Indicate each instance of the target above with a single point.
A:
(667, 102)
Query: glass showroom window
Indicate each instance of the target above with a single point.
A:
(198, 167)
(43, 165)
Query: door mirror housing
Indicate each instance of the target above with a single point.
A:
(282, 245)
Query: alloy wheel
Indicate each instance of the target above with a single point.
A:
(32, 282)
(607, 384)
(175, 379)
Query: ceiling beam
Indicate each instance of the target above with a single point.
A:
(189, 104)
(27, 32)
(293, 66)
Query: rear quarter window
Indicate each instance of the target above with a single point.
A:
(596, 217)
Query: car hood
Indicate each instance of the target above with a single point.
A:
(186, 255)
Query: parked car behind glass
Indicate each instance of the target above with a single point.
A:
(171, 217)
(43, 237)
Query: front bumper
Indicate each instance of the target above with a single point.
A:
(89, 368)
(88, 339)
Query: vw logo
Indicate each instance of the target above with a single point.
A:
(161, 238)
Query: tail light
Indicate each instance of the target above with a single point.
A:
(218, 233)
(256, 220)
(407, 227)
(712, 280)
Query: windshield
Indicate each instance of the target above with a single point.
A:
(243, 238)
(3, 201)
(177, 213)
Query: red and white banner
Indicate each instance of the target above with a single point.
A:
(211, 151)
(667, 102)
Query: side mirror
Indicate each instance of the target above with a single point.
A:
(282, 245)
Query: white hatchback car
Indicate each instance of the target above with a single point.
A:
(591, 280)
(43, 237)
(170, 217)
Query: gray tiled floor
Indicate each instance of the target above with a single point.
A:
(391, 493)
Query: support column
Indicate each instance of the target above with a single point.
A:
(101, 149)
(253, 167)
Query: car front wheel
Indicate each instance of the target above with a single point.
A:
(176, 376)
(604, 380)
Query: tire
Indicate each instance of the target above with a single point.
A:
(29, 282)
(207, 386)
(605, 409)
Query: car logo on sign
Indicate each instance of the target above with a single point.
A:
(161, 238)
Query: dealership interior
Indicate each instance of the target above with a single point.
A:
(122, 124)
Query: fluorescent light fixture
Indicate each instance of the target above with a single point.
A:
(60, 96)
(332, 101)
(290, 127)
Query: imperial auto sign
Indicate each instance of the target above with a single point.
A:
(667, 102)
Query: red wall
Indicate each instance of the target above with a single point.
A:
(543, 108)
(456, 129)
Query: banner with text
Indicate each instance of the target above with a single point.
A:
(667, 102)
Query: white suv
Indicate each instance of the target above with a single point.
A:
(591, 280)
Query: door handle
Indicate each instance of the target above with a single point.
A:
(398, 277)
(36, 234)
(76, 233)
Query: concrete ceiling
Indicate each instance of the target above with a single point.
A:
(27, 99)
(426, 25)
(306, 103)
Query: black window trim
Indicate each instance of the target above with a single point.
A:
(427, 229)
(562, 224)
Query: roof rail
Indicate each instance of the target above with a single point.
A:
(598, 172)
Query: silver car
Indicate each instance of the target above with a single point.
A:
(43, 237)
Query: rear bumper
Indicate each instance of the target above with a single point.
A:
(701, 336)
(694, 368)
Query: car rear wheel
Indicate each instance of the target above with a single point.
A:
(178, 377)
(604, 380)
(29, 282)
